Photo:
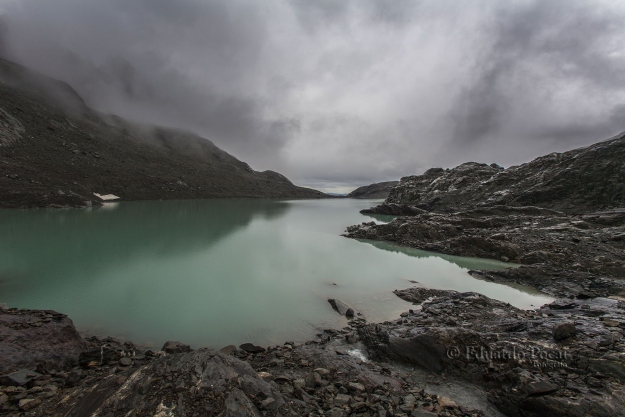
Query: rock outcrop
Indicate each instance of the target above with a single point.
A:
(578, 181)
(29, 338)
(563, 254)
(520, 357)
(377, 190)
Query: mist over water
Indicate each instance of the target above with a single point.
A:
(216, 272)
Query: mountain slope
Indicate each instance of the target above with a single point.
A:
(377, 190)
(580, 180)
(55, 151)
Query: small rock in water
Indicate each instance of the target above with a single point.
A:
(342, 308)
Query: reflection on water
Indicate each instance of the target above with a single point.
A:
(381, 218)
(215, 272)
(467, 263)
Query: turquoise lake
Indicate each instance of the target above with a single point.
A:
(218, 272)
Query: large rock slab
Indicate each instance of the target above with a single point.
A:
(30, 337)
(208, 381)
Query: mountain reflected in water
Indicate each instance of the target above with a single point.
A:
(462, 262)
(216, 272)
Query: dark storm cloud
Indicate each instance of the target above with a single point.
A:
(184, 64)
(342, 91)
(572, 43)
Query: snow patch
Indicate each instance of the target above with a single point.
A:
(357, 353)
(106, 197)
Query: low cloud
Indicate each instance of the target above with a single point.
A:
(342, 92)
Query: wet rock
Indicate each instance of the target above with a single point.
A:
(564, 331)
(342, 308)
(251, 348)
(173, 347)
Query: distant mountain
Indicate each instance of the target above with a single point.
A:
(379, 190)
(55, 151)
(580, 180)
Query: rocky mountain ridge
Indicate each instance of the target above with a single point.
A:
(377, 190)
(585, 179)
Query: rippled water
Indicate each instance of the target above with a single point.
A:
(216, 272)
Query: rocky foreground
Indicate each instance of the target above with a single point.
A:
(564, 359)
(49, 370)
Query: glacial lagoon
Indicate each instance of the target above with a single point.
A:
(218, 272)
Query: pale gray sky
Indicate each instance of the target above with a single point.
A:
(340, 93)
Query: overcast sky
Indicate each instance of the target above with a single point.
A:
(340, 93)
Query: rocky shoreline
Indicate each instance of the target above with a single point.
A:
(561, 254)
(79, 377)
(453, 354)
(564, 359)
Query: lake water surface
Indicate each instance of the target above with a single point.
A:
(217, 272)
